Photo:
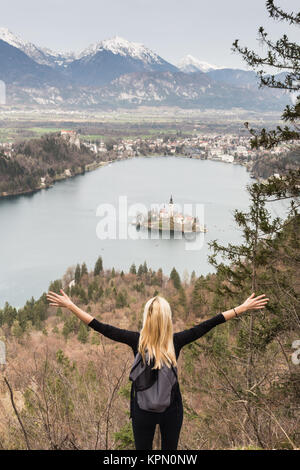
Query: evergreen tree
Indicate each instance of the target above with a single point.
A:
(83, 333)
(197, 296)
(29, 327)
(174, 276)
(283, 56)
(182, 299)
(55, 286)
(33, 311)
(122, 299)
(9, 314)
(77, 274)
(84, 269)
(83, 296)
(145, 268)
(70, 326)
(139, 287)
(252, 268)
(159, 277)
(98, 266)
(140, 271)
(98, 293)
(132, 269)
(16, 329)
(91, 289)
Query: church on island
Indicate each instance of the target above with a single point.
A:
(167, 219)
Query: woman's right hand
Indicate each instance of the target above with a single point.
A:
(57, 300)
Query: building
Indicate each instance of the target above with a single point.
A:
(171, 207)
(71, 136)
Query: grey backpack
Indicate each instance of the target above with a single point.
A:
(153, 387)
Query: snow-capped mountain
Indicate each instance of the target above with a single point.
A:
(111, 58)
(19, 69)
(117, 46)
(120, 46)
(190, 64)
(117, 72)
(40, 55)
(58, 59)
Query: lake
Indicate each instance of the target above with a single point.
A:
(44, 233)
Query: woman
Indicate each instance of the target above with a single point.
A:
(163, 346)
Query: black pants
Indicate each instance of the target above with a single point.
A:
(144, 423)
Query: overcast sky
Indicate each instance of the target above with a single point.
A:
(172, 28)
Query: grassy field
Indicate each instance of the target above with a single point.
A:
(92, 137)
(142, 123)
(44, 130)
(8, 134)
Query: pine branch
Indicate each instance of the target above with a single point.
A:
(272, 138)
(254, 60)
(284, 48)
(279, 14)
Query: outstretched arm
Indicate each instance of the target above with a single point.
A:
(187, 336)
(117, 334)
(192, 334)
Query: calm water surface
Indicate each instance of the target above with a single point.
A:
(41, 235)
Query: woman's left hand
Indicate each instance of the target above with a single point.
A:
(59, 300)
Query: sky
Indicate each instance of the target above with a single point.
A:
(205, 29)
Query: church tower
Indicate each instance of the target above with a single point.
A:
(171, 207)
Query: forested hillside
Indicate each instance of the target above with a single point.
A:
(47, 157)
(268, 164)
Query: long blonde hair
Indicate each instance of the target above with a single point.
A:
(156, 335)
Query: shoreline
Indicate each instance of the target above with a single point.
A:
(89, 167)
(95, 165)
(168, 229)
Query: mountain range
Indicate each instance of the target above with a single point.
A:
(190, 64)
(116, 72)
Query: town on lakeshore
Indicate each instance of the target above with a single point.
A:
(227, 148)
(86, 154)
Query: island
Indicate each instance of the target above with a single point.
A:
(169, 220)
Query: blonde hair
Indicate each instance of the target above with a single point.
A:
(157, 333)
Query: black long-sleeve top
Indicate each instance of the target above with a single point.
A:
(131, 338)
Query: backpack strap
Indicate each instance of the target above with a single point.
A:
(175, 371)
(138, 358)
